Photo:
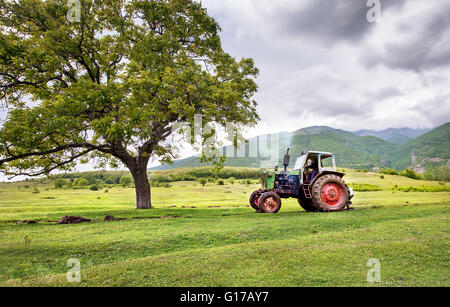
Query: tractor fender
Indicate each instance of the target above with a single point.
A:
(321, 173)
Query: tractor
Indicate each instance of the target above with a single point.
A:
(313, 180)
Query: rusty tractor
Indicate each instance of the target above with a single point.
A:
(313, 180)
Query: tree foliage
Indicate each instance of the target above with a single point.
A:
(112, 85)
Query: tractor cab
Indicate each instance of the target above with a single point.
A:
(313, 163)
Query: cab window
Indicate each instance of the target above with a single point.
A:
(327, 162)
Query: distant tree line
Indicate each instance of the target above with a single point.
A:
(160, 178)
(441, 173)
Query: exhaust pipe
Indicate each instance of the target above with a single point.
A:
(286, 160)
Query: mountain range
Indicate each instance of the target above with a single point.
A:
(421, 150)
(394, 135)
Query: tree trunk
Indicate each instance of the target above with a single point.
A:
(142, 187)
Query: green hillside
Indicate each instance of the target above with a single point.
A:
(426, 152)
(397, 136)
(351, 150)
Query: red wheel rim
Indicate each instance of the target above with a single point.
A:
(332, 194)
(270, 203)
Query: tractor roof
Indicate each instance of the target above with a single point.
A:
(319, 153)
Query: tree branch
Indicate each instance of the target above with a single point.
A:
(102, 148)
(47, 170)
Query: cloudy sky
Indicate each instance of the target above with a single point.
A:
(322, 63)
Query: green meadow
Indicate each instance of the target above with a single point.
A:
(208, 236)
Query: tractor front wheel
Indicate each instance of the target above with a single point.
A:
(329, 193)
(269, 202)
(254, 198)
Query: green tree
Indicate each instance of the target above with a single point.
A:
(410, 173)
(91, 179)
(112, 85)
(59, 183)
(82, 182)
(202, 181)
(126, 180)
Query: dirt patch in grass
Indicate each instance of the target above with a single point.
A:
(112, 218)
(72, 220)
(79, 219)
(27, 222)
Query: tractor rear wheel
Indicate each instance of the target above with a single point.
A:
(329, 193)
(269, 202)
(254, 197)
(307, 204)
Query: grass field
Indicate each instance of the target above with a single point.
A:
(210, 237)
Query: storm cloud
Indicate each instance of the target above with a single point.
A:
(323, 63)
(423, 45)
(329, 21)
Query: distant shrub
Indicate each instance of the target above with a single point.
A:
(220, 182)
(410, 174)
(388, 171)
(156, 184)
(363, 187)
(248, 181)
(231, 180)
(81, 182)
(126, 180)
(109, 181)
(93, 187)
(438, 173)
(91, 179)
(167, 185)
(59, 183)
(382, 176)
(202, 181)
(106, 190)
(36, 190)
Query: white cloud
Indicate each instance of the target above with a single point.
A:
(317, 69)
